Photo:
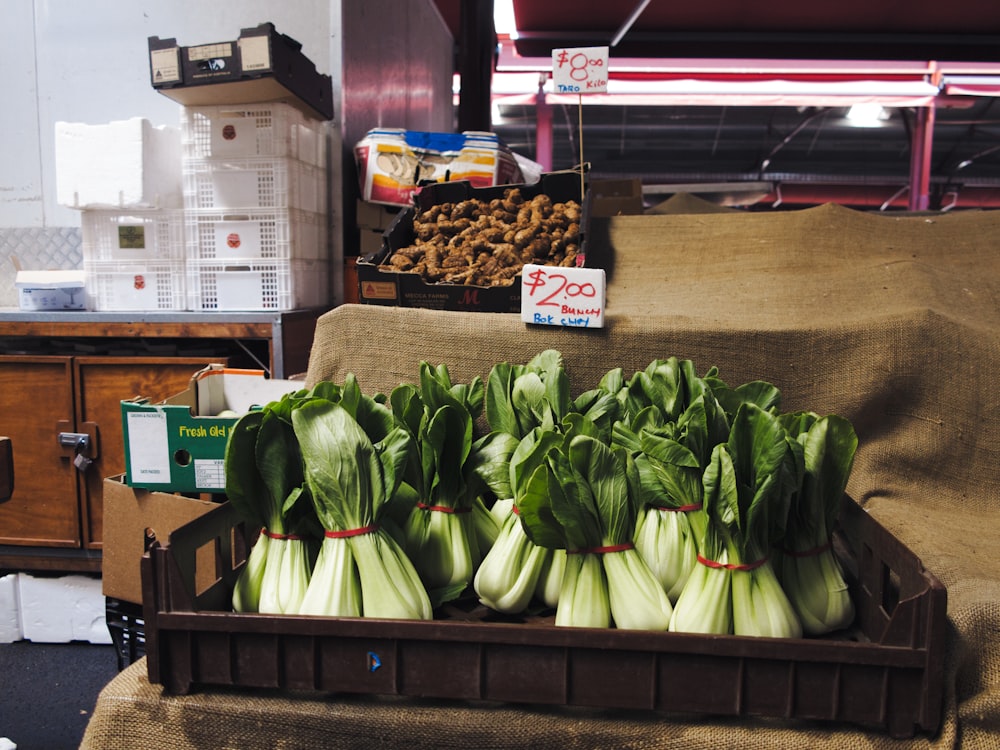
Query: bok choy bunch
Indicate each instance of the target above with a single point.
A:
(675, 421)
(440, 534)
(525, 406)
(354, 456)
(266, 485)
(806, 565)
(747, 486)
(579, 500)
(516, 570)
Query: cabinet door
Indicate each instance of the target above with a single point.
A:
(102, 384)
(36, 401)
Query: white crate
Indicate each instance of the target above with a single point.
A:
(277, 234)
(135, 235)
(262, 129)
(136, 285)
(253, 182)
(253, 284)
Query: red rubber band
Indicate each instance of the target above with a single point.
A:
(731, 566)
(442, 508)
(808, 552)
(679, 508)
(601, 550)
(337, 534)
(273, 535)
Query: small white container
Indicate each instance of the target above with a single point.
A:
(50, 290)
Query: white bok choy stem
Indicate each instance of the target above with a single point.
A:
(246, 591)
(510, 576)
(335, 589)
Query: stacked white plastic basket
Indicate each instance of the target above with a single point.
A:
(255, 200)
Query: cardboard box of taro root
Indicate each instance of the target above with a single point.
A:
(381, 284)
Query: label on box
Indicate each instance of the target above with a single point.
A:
(238, 239)
(210, 473)
(166, 65)
(149, 448)
(568, 297)
(131, 237)
(255, 53)
(210, 51)
(379, 290)
(233, 136)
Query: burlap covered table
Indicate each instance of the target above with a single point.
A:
(889, 321)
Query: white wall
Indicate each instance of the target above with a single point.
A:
(66, 60)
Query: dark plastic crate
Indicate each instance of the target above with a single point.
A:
(126, 625)
(886, 673)
(381, 284)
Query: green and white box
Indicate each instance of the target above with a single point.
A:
(179, 445)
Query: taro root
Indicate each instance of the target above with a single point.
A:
(486, 243)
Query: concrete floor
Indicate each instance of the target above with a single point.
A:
(48, 691)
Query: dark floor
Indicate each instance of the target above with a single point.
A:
(48, 691)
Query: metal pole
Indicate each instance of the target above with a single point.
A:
(920, 159)
(543, 128)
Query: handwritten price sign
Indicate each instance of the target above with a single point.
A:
(581, 70)
(569, 297)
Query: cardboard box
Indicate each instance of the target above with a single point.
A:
(394, 163)
(374, 216)
(383, 285)
(615, 197)
(50, 290)
(179, 444)
(132, 518)
(260, 66)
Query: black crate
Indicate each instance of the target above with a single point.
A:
(261, 65)
(886, 674)
(127, 627)
(380, 284)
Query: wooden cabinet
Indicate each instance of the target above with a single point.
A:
(63, 416)
(62, 379)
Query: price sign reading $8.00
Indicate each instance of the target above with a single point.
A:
(580, 70)
(568, 297)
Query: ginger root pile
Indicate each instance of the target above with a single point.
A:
(486, 243)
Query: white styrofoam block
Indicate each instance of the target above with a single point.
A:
(120, 164)
(10, 610)
(63, 609)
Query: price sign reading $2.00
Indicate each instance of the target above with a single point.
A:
(556, 296)
(580, 70)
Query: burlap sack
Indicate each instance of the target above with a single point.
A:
(891, 322)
